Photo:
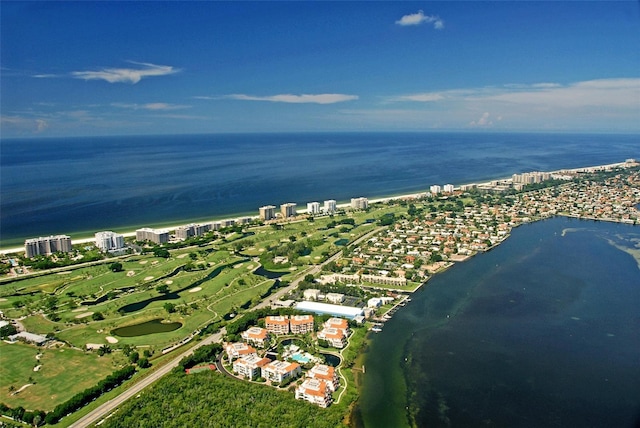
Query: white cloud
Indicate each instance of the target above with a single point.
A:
(419, 18)
(298, 99)
(126, 75)
(422, 97)
(483, 122)
(24, 124)
(150, 106)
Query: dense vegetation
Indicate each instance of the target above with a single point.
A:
(209, 399)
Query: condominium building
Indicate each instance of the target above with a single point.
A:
(288, 210)
(314, 391)
(250, 366)
(435, 189)
(159, 236)
(329, 206)
(333, 336)
(268, 212)
(191, 230)
(47, 245)
(313, 208)
(359, 203)
(301, 324)
(278, 371)
(238, 350)
(256, 336)
(277, 324)
(448, 188)
(339, 323)
(325, 373)
(109, 241)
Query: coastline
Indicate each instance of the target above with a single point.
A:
(84, 237)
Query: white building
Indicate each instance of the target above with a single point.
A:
(329, 206)
(109, 241)
(435, 189)
(313, 208)
(268, 212)
(359, 203)
(448, 188)
(159, 236)
(288, 210)
(277, 371)
(250, 366)
(315, 391)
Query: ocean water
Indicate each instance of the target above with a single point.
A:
(543, 331)
(78, 186)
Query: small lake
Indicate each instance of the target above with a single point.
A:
(148, 327)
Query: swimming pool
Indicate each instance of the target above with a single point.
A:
(300, 358)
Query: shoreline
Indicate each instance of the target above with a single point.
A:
(83, 239)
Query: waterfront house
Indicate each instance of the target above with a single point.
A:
(314, 391)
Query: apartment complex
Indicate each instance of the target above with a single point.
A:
(158, 236)
(288, 210)
(47, 245)
(329, 206)
(238, 350)
(191, 230)
(277, 324)
(359, 203)
(314, 391)
(256, 336)
(313, 208)
(250, 366)
(109, 241)
(268, 212)
(278, 371)
(301, 324)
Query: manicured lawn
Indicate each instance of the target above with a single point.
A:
(62, 373)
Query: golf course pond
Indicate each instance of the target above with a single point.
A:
(149, 327)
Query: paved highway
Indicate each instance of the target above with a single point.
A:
(107, 408)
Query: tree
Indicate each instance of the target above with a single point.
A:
(143, 363)
(97, 316)
(169, 307)
(161, 252)
(115, 267)
(162, 288)
(134, 357)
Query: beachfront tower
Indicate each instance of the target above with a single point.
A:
(313, 208)
(359, 203)
(288, 210)
(435, 189)
(47, 246)
(268, 212)
(329, 206)
(109, 241)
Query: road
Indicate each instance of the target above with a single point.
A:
(107, 408)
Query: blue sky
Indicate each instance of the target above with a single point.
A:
(114, 68)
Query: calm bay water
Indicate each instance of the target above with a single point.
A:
(83, 185)
(543, 331)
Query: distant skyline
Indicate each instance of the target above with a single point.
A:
(117, 68)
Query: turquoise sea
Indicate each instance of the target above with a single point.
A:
(542, 331)
(79, 186)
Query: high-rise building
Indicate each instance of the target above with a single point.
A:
(268, 212)
(448, 188)
(329, 206)
(435, 189)
(313, 208)
(359, 203)
(153, 235)
(288, 210)
(109, 241)
(47, 245)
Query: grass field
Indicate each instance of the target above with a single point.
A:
(61, 374)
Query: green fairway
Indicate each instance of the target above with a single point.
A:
(60, 374)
